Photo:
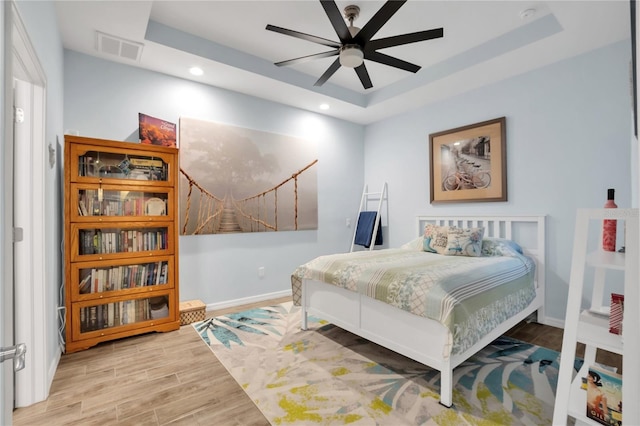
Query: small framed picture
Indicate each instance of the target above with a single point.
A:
(154, 131)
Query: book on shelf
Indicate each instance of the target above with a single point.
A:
(85, 284)
(616, 313)
(147, 169)
(163, 274)
(604, 396)
(146, 163)
(93, 318)
(82, 208)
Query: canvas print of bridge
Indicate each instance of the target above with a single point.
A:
(234, 179)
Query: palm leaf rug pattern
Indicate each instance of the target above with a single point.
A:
(326, 376)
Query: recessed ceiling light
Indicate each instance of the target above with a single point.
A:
(196, 71)
(324, 106)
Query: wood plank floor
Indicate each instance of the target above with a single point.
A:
(172, 378)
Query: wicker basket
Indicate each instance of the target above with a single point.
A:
(191, 311)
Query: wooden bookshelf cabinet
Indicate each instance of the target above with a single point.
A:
(120, 240)
(590, 325)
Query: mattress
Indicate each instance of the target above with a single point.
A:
(470, 296)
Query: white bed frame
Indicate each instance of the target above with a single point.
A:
(419, 338)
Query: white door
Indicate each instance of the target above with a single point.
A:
(12, 356)
(6, 324)
(6, 191)
(28, 269)
(31, 311)
(19, 66)
(6, 338)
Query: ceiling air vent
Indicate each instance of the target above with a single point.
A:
(113, 45)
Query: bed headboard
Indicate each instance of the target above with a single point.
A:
(527, 231)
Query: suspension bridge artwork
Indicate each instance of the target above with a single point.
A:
(238, 180)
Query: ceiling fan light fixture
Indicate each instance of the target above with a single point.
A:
(351, 56)
(354, 42)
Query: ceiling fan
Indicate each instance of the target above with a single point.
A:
(355, 44)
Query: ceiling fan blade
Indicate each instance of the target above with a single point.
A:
(364, 76)
(379, 19)
(307, 37)
(337, 20)
(328, 73)
(307, 58)
(405, 39)
(391, 61)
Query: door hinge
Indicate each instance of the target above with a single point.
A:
(18, 115)
(18, 234)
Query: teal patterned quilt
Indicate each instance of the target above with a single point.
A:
(468, 295)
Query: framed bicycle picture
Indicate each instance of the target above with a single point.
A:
(469, 163)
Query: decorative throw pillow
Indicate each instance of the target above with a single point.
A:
(439, 238)
(464, 242)
(500, 247)
(429, 233)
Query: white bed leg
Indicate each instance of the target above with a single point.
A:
(303, 312)
(446, 387)
(303, 307)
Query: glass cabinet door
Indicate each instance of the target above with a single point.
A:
(91, 281)
(106, 163)
(107, 202)
(110, 242)
(98, 318)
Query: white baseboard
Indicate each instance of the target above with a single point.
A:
(247, 300)
(53, 368)
(554, 322)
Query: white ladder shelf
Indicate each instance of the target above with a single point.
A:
(590, 327)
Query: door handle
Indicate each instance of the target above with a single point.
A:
(16, 353)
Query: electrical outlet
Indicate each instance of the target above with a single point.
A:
(348, 222)
(261, 272)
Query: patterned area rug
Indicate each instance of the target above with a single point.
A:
(328, 376)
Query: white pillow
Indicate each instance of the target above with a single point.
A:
(415, 244)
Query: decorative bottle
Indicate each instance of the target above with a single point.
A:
(609, 226)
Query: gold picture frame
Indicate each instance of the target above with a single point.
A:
(469, 163)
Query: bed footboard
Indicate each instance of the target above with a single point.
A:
(415, 337)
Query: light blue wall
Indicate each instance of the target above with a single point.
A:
(568, 140)
(103, 99)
